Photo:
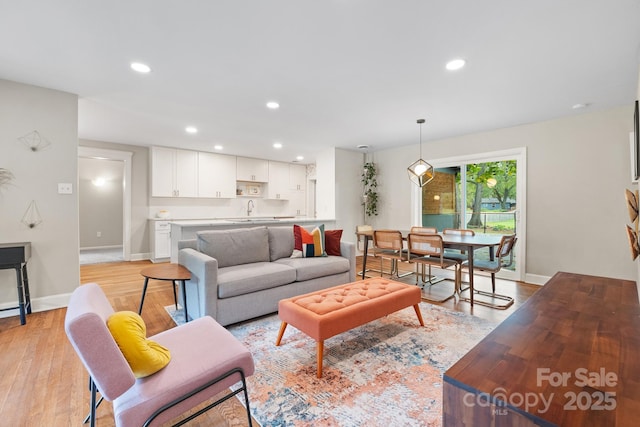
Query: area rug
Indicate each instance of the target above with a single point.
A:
(385, 373)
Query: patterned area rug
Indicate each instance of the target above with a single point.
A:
(385, 373)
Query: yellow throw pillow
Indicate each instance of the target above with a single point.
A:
(145, 357)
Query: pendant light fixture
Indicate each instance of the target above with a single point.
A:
(420, 172)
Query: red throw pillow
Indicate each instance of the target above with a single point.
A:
(332, 242)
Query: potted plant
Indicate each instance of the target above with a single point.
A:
(370, 194)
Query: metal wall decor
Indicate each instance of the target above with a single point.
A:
(34, 141)
(632, 233)
(32, 217)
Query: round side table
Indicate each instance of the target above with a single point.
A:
(168, 272)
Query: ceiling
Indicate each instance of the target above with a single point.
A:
(345, 72)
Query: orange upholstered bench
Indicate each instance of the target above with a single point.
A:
(332, 311)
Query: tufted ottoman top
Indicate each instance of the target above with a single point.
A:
(331, 311)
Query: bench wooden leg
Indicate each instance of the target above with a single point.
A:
(283, 326)
(417, 309)
(319, 356)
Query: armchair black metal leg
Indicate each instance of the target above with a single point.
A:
(91, 417)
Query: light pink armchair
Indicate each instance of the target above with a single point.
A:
(205, 360)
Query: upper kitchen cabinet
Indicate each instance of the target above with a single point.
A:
(174, 173)
(216, 175)
(252, 170)
(278, 187)
(297, 177)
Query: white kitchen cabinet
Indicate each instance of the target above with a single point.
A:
(160, 241)
(174, 173)
(252, 170)
(298, 203)
(297, 177)
(297, 189)
(216, 175)
(278, 187)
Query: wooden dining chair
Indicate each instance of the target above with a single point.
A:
(428, 249)
(459, 255)
(503, 258)
(423, 230)
(387, 244)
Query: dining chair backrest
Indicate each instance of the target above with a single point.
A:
(388, 240)
(363, 228)
(459, 231)
(423, 230)
(425, 244)
(505, 249)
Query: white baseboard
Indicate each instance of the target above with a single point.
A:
(140, 257)
(38, 304)
(536, 279)
(90, 248)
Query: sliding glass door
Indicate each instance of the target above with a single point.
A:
(484, 193)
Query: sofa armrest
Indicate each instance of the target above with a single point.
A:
(348, 251)
(202, 289)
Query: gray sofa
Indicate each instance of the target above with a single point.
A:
(242, 273)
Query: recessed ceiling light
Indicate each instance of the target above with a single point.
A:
(300, 158)
(218, 147)
(455, 64)
(273, 105)
(579, 106)
(277, 145)
(191, 129)
(140, 67)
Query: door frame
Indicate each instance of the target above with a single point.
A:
(520, 156)
(124, 156)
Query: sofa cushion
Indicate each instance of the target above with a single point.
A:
(244, 279)
(332, 242)
(280, 242)
(235, 247)
(312, 268)
(308, 244)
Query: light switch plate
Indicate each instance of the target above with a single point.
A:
(65, 188)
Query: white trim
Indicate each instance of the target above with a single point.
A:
(50, 302)
(536, 279)
(125, 156)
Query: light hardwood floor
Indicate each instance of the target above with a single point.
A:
(43, 381)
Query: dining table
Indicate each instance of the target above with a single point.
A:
(466, 243)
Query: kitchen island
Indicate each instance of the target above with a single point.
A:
(187, 229)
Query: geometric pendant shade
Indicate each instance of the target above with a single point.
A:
(420, 172)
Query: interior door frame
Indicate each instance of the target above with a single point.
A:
(124, 156)
(520, 156)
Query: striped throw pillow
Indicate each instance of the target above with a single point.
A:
(308, 244)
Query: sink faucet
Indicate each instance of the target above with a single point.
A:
(249, 207)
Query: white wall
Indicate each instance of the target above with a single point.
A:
(100, 207)
(325, 183)
(578, 168)
(348, 192)
(54, 266)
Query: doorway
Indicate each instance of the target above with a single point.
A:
(485, 193)
(122, 158)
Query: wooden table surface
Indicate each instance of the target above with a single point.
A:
(570, 356)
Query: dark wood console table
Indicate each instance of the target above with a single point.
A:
(569, 356)
(15, 256)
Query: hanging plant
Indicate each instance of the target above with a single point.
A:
(370, 194)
